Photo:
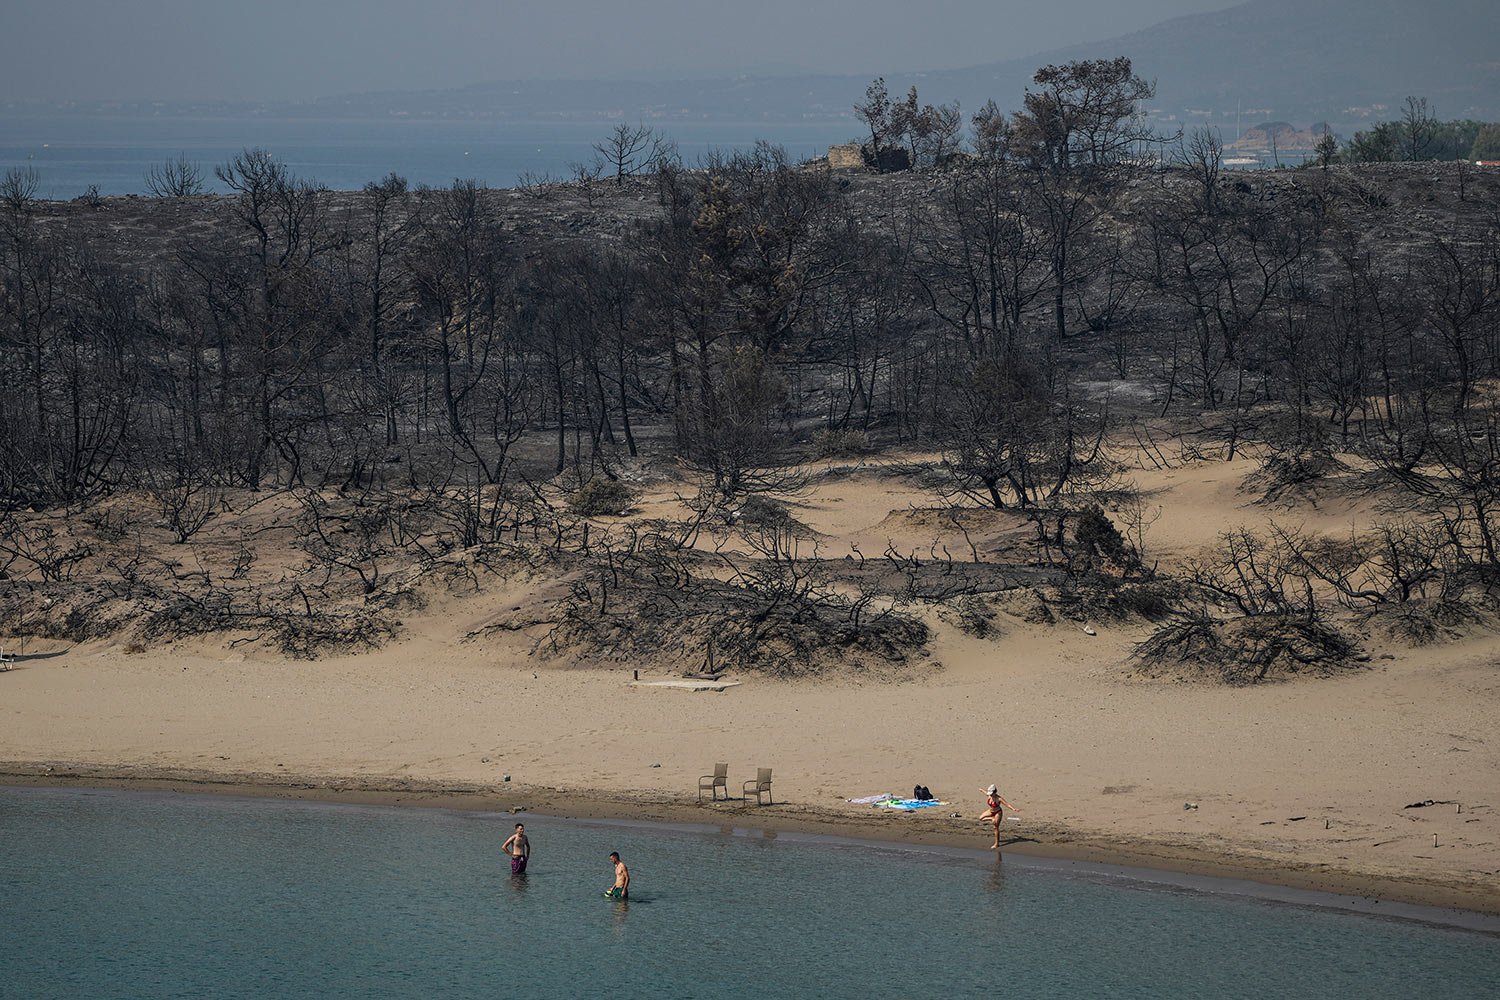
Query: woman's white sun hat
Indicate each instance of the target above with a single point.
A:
(991, 790)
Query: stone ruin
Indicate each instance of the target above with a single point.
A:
(848, 156)
(856, 156)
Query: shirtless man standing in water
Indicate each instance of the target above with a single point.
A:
(621, 888)
(519, 849)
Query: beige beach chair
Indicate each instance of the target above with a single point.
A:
(713, 782)
(760, 786)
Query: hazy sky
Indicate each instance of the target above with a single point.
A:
(274, 49)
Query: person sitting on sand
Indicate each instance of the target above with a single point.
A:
(994, 811)
(621, 888)
(519, 849)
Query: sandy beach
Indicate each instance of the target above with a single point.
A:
(1307, 783)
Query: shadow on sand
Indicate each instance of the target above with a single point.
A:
(14, 660)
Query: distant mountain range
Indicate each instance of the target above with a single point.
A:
(1346, 62)
(1307, 60)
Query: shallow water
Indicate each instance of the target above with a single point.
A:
(108, 894)
(70, 153)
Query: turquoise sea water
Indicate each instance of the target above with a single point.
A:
(114, 153)
(106, 894)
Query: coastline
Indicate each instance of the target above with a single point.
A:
(1051, 842)
(1317, 784)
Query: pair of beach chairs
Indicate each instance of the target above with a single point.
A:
(759, 786)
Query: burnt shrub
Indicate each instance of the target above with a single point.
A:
(601, 498)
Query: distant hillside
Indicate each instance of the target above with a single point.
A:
(1344, 61)
(1279, 135)
(1304, 60)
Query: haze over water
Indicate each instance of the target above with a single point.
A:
(120, 895)
(69, 154)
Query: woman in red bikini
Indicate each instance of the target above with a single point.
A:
(994, 812)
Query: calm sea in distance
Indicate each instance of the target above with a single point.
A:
(114, 153)
(111, 894)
